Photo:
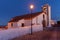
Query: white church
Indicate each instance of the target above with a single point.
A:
(39, 18)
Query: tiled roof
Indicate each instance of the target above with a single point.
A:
(26, 16)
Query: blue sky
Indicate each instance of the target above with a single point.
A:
(11, 8)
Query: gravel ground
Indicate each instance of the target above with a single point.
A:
(35, 36)
(44, 35)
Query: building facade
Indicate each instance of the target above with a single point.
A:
(39, 18)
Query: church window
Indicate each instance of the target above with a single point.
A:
(11, 24)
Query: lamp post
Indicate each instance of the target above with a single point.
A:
(31, 8)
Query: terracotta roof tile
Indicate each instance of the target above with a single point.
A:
(26, 16)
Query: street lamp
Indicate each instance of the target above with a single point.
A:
(31, 8)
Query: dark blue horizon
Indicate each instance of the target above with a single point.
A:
(11, 8)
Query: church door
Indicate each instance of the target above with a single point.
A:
(22, 24)
(44, 21)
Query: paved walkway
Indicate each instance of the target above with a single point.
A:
(53, 34)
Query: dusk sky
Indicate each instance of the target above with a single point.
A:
(12, 8)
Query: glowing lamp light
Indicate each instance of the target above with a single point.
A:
(31, 6)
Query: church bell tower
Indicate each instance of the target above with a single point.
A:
(47, 9)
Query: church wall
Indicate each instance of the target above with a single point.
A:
(15, 24)
(27, 22)
(9, 25)
(49, 11)
(20, 22)
(34, 21)
(12, 25)
(40, 18)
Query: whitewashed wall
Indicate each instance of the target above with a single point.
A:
(49, 13)
(36, 28)
(9, 25)
(15, 24)
(34, 21)
(27, 22)
(20, 22)
(37, 20)
(40, 18)
(17, 32)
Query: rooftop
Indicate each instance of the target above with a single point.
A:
(26, 16)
